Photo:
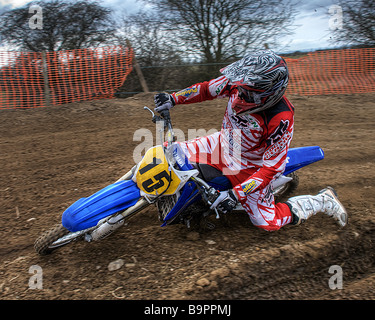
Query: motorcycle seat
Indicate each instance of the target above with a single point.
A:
(212, 176)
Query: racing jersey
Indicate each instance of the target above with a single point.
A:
(253, 143)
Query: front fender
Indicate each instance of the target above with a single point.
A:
(86, 212)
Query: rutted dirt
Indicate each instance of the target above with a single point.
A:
(51, 157)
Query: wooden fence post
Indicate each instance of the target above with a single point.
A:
(47, 93)
(138, 70)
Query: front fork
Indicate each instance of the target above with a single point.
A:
(109, 225)
(128, 175)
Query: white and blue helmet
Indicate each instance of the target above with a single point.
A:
(261, 78)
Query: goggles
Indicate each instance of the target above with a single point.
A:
(250, 96)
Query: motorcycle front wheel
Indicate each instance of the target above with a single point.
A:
(54, 238)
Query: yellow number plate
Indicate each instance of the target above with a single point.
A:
(153, 174)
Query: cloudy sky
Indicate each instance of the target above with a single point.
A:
(311, 30)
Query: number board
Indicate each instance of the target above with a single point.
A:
(153, 173)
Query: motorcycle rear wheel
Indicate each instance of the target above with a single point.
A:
(285, 191)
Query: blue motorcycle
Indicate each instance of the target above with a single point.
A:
(181, 191)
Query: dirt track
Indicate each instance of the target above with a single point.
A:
(50, 157)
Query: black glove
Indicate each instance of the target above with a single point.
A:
(163, 101)
(225, 202)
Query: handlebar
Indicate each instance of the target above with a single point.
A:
(164, 115)
(208, 193)
(166, 118)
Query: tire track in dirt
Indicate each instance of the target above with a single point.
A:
(294, 271)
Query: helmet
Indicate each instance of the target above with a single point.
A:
(261, 78)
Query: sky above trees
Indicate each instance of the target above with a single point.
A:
(311, 25)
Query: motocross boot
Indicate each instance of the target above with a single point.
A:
(303, 207)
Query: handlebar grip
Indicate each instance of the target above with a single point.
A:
(165, 114)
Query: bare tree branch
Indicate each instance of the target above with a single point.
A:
(220, 30)
(358, 23)
(66, 25)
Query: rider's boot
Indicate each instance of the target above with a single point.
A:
(303, 207)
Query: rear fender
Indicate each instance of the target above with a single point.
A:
(301, 157)
(87, 212)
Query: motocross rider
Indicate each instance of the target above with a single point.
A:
(251, 148)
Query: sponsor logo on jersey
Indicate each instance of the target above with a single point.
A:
(278, 146)
(246, 122)
(278, 133)
(187, 92)
(220, 87)
(249, 187)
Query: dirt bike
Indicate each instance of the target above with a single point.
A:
(181, 191)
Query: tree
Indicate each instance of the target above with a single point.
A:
(65, 25)
(221, 30)
(356, 23)
(147, 39)
(153, 51)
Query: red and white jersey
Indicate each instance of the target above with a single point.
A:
(255, 144)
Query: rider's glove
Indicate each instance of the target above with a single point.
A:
(225, 202)
(163, 101)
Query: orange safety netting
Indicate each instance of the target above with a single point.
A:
(34, 79)
(29, 80)
(333, 72)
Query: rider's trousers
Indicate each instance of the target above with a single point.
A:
(259, 205)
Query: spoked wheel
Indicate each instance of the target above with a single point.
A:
(54, 238)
